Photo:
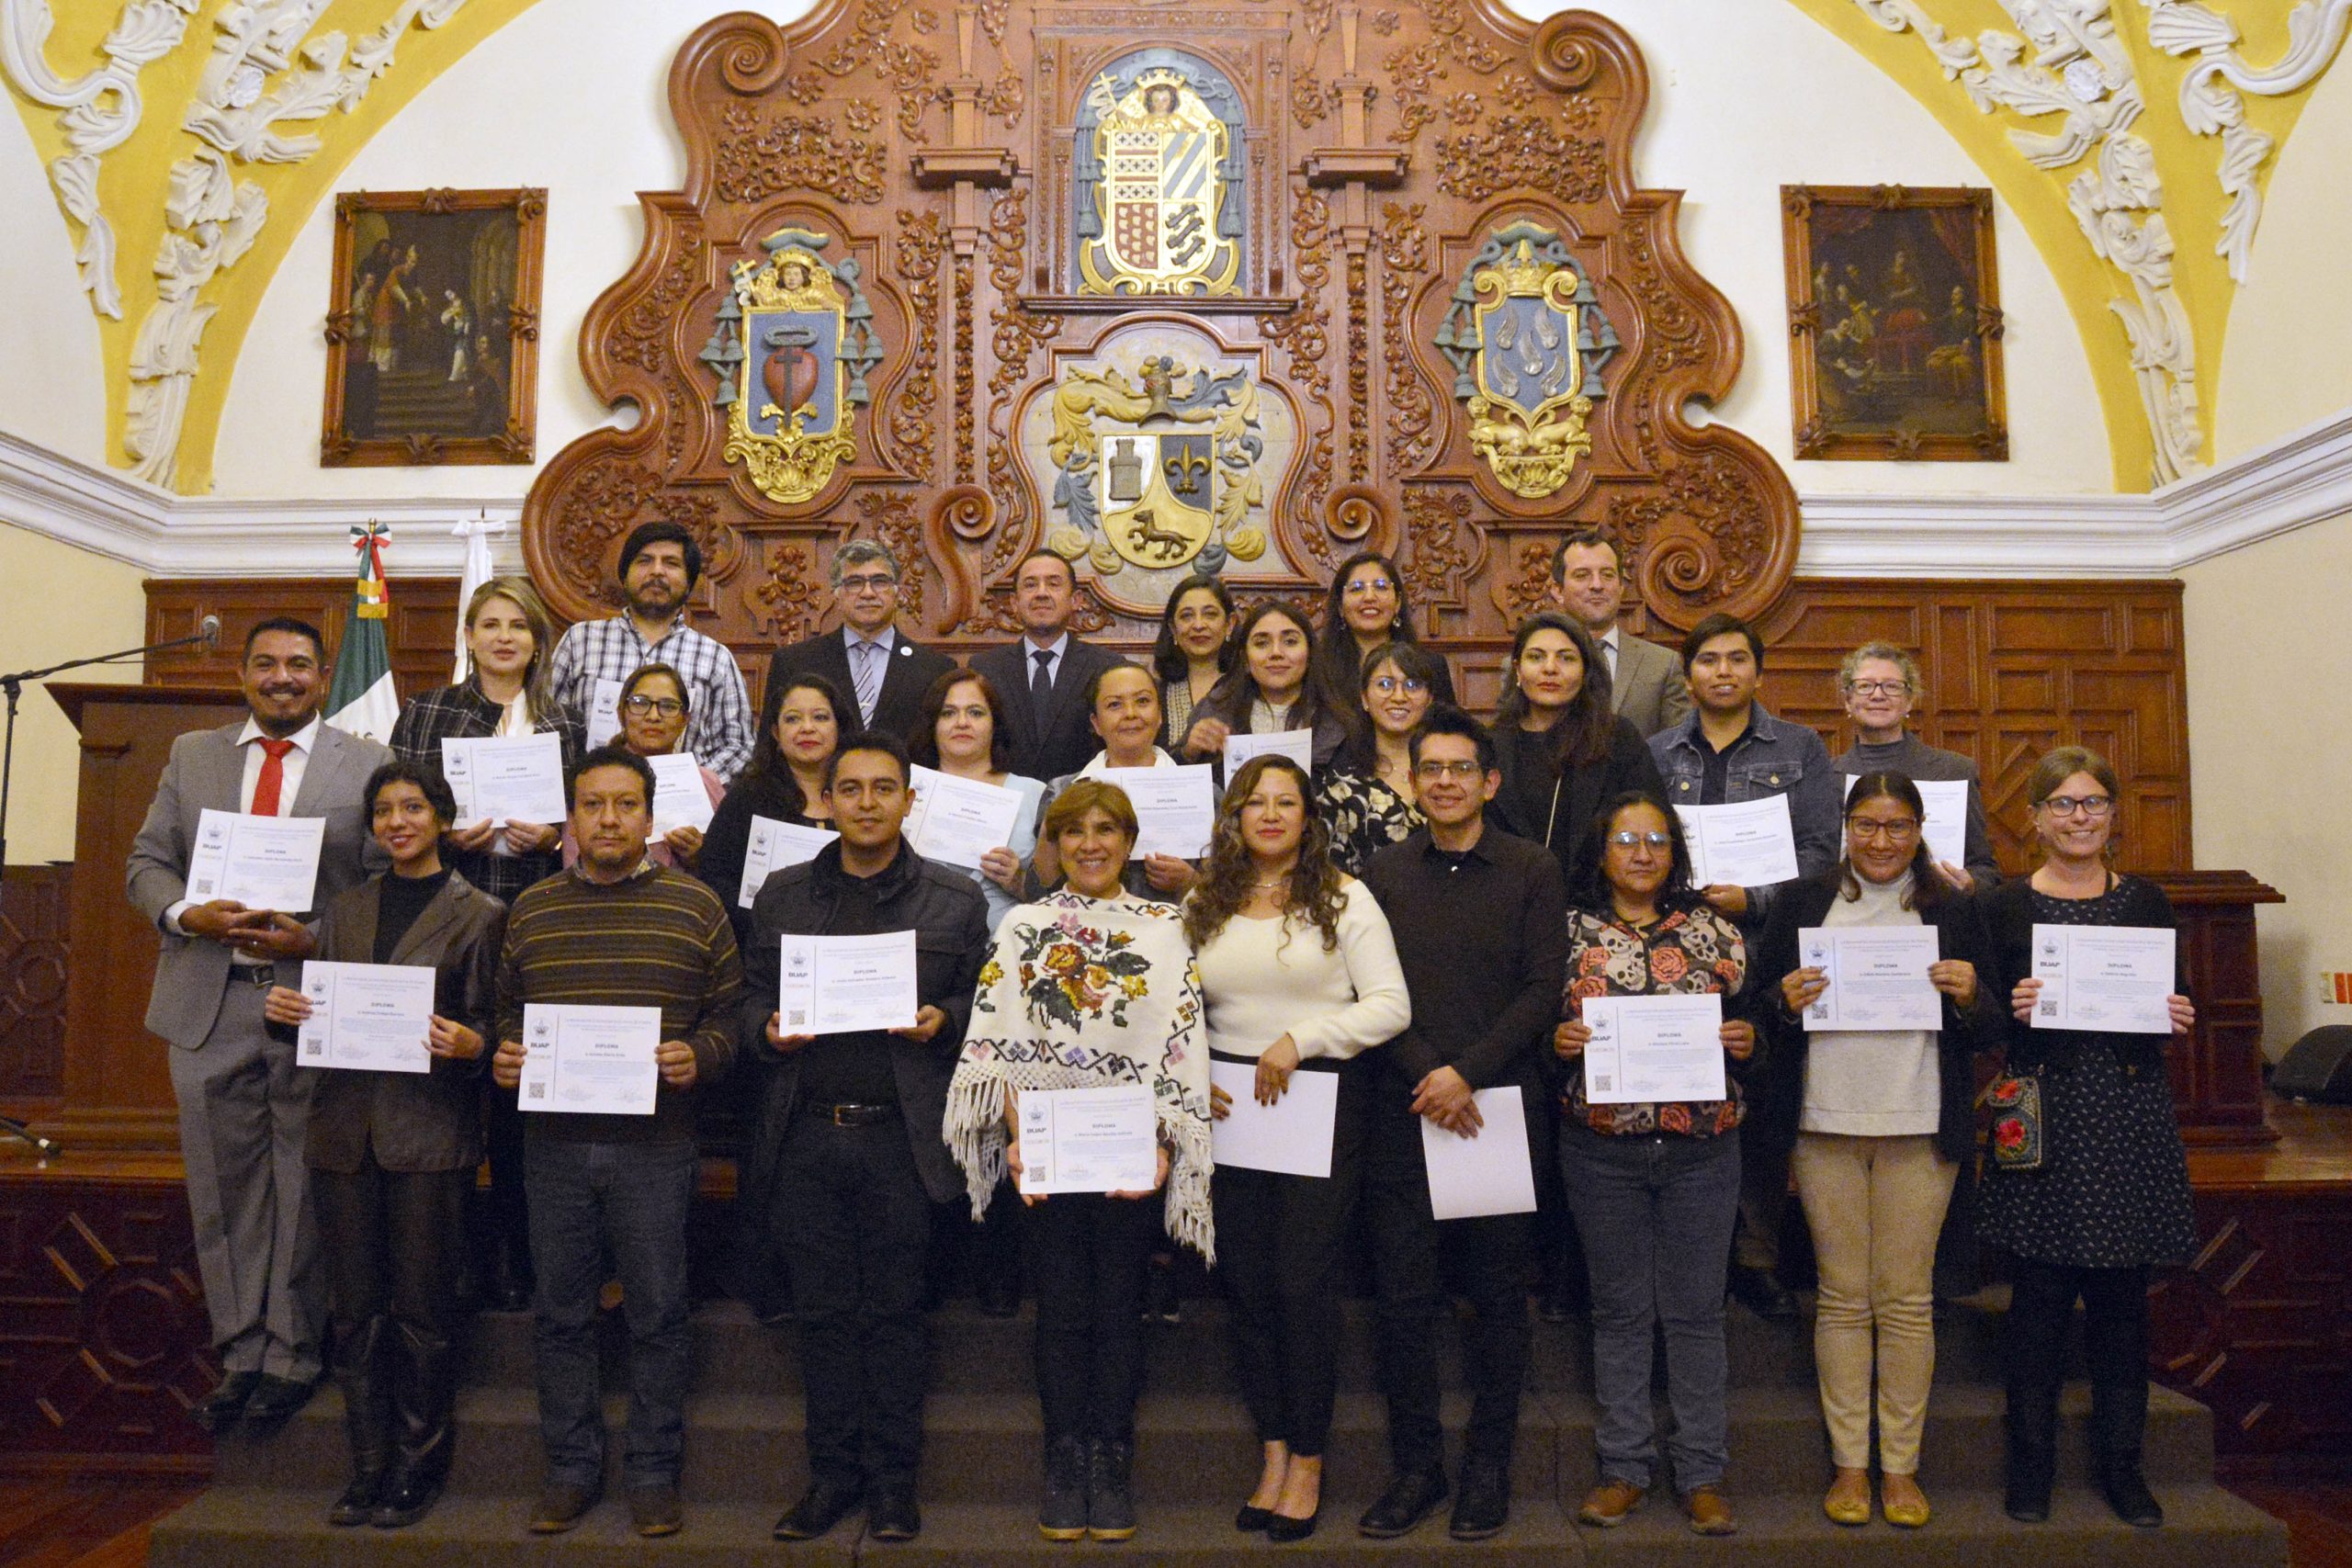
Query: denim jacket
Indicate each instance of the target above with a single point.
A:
(1775, 757)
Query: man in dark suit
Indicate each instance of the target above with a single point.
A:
(1043, 678)
(884, 674)
(245, 1106)
(1646, 683)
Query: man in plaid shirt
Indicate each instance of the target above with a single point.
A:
(660, 566)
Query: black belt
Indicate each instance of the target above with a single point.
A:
(852, 1115)
(255, 974)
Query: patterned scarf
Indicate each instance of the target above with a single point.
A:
(1089, 993)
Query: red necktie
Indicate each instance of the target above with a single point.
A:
(273, 777)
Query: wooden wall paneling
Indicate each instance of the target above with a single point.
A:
(33, 946)
(421, 629)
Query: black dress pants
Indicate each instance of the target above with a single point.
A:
(393, 1243)
(2115, 1347)
(1408, 1248)
(1088, 1254)
(853, 1222)
(1279, 1240)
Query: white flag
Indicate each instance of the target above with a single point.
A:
(479, 571)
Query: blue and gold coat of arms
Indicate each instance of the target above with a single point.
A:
(792, 386)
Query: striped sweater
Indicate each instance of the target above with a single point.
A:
(658, 938)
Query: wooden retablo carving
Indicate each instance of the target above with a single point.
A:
(1163, 289)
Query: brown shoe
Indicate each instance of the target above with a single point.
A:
(656, 1510)
(563, 1505)
(1708, 1510)
(1610, 1504)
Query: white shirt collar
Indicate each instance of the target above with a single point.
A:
(304, 738)
(852, 637)
(1029, 649)
(1101, 760)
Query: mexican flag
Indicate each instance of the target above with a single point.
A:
(362, 699)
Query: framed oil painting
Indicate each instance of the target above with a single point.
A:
(432, 332)
(1894, 324)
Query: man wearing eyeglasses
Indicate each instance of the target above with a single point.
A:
(1480, 918)
(884, 674)
(1646, 683)
(1880, 683)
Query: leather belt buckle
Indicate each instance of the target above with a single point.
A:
(855, 1115)
(259, 975)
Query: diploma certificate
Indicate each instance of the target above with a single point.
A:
(590, 1060)
(2116, 978)
(1878, 977)
(774, 845)
(837, 984)
(1654, 1049)
(505, 779)
(1089, 1140)
(262, 862)
(1298, 745)
(956, 821)
(679, 798)
(367, 1017)
(1293, 1135)
(604, 713)
(1747, 844)
(1946, 828)
(1174, 807)
(1489, 1173)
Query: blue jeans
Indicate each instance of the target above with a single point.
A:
(1656, 1214)
(632, 1199)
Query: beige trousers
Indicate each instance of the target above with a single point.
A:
(1875, 1206)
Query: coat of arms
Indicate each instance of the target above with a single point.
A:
(1157, 472)
(1527, 339)
(1157, 168)
(792, 384)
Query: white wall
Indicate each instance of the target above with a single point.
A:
(63, 604)
(52, 385)
(2288, 362)
(1746, 97)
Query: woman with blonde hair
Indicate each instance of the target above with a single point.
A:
(1299, 971)
(1091, 986)
(510, 643)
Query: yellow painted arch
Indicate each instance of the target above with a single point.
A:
(135, 178)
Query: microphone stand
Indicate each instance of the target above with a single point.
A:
(13, 688)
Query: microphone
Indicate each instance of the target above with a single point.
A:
(210, 630)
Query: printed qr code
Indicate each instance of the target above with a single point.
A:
(2050, 1010)
(539, 1091)
(314, 1048)
(1603, 1084)
(798, 1017)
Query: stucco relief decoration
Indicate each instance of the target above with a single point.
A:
(1528, 341)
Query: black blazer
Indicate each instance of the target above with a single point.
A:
(897, 710)
(1568, 810)
(1959, 924)
(414, 1122)
(1067, 741)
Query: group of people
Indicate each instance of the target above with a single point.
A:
(1417, 917)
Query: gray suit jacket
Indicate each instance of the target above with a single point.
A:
(1649, 688)
(207, 769)
(415, 1122)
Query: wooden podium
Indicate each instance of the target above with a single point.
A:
(118, 1082)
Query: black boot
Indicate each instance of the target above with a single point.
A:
(360, 1373)
(1110, 1497)
(2119, 1424)
(2032, 1424)
(1062, 1514)
(423, 1392)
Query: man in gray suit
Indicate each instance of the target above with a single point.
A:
(245, 1106)
(1589, 582)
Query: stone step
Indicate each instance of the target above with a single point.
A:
(232, 1526)
(1192, 1447)
(995, 1354)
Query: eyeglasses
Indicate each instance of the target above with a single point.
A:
(668, 707)
(1388, 685)
(1653, 841)
(874, 583)
(2091, 805)
(1368, 585)
(1463, 770)
(1895, 831)
(1879, 688)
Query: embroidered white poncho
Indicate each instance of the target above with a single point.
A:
(1089, 993)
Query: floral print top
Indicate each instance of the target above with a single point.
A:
(1687, 952)
(1364, 815)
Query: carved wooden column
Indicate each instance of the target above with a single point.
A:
(2217, 1087)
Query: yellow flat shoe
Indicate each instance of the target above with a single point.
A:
(1849, 1501)
(1902, 1501)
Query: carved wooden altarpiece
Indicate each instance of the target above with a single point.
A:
(1241, 287)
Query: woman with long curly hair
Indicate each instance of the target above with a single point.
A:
(1300, 975)
(1192, 653)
